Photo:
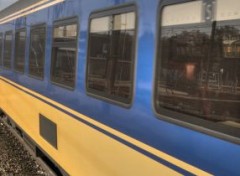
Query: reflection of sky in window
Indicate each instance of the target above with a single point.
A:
(227, 10)
(192, 12)
(6, 3)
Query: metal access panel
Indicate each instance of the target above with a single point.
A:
(48, 130)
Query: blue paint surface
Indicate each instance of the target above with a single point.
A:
(208, 153)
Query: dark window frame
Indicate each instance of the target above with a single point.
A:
(65, 22)
(15, 48)
(36, 26)
(180, 118)
(119, 9)
(12, 49)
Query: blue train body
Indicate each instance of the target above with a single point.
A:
(140, 121)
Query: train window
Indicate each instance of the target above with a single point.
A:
(7, 49)
(37, 51)
(111, 54)
(1, 48)
(198, 64)
(20, 40)
(64, 52)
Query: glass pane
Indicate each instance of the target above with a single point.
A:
(37, 51)
(227, 10)
(198, 68)
(64, 53)
(184, 58)
(111, 55)
(20, 40)
(124, 21)
(65, 33)
(63, 66)
(7, 49)
(98, 57)
(224, 69)
(99, 25)
(185, 13)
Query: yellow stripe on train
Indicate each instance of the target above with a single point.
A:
(83, 150)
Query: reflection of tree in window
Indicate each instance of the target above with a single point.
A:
(37, 51)
(185, 54)
(228, 38)
(198, 73)
(111, 55)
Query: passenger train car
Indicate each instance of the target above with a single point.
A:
(125, 87)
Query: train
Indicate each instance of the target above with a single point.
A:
(125, 87)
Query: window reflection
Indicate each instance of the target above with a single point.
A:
(65, 33)
(20, 39)
(7, 49)
(37, 51)
(64, 54)
(110, 57)
(198, 70)
(64, 66)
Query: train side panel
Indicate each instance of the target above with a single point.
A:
(96, 136)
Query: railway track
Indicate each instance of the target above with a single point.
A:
(16, 157)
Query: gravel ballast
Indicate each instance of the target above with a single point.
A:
(14, 158)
